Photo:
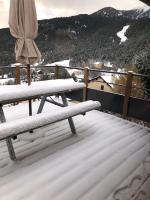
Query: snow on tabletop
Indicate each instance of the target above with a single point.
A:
(108, 159)
(41, 87)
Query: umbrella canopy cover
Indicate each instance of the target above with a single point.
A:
(24, 27)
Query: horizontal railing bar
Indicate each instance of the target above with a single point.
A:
(12, 67)
(78, 68)
(143, 75)
(110, 83)
(42, 66)
(139, 88)
(109, 72)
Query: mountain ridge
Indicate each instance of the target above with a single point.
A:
(86, 38)
(133, 14)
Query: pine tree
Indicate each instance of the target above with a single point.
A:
(143, 65)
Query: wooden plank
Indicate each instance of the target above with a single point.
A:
(17, 75)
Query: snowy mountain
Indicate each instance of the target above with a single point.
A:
(106, 35)
(143, 12)
(110, 12)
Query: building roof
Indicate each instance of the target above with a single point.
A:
(107, 79)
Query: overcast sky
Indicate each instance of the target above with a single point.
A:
(57, 8)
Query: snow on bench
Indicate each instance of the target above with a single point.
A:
(13, 93)
(9, 129)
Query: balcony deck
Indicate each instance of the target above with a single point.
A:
(108, 159)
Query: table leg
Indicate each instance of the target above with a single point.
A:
(30, 107)
(8, 140)
(43, 99)
(70, 120)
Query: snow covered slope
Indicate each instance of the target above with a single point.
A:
(121, 34)
(65, 63)
(109, 159)
(139, 12)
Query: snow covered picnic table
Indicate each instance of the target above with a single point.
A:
(42, 89)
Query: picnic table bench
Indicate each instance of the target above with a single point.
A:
(43, 90)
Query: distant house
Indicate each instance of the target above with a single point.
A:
(98, 65)
(99, 83)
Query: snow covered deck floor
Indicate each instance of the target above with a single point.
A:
(109, 159)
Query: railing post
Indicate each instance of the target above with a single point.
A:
(17, 75)
(86, 81)
(128, 90)
(28, 74)
(57, 72)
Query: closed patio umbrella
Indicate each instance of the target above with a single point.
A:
(24, 27)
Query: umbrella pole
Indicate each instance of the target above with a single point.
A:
(28, 74)
(29, 83)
